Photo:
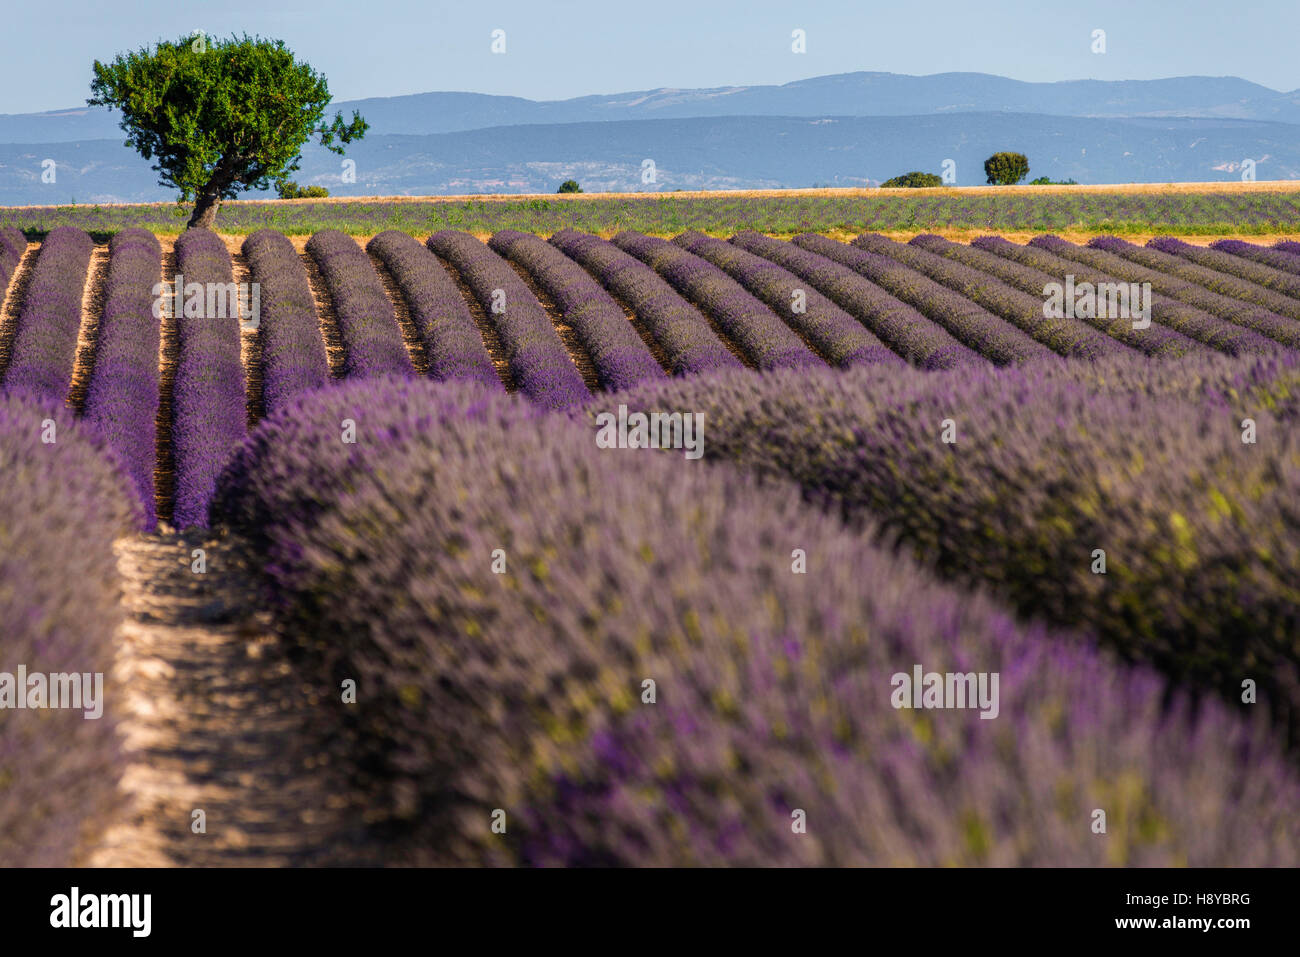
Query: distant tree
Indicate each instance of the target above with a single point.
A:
(1006, 169)
(220, 116)
(288, 189)
(569, 186)
(1044, 181)
(913, 180)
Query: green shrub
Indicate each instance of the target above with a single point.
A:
(291, 190)
(913, 180)
(1006, 169)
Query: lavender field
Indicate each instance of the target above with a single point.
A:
(553, 549)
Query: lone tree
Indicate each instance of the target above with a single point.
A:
(569, 186)
(220, 116)
(1006, 169)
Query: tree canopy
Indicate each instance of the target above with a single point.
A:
(220, 116)
(1006, 169)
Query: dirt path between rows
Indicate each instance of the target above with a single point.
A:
(215, 718)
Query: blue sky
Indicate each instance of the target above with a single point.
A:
(565, 48)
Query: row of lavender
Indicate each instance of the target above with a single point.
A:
(771, 690)
(63, 503)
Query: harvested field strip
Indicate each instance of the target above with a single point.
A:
(250, 346)
(329, 323)
(491, 339)
(216, 719)
(164, 480)
(92, 310)
(14, 299)
(414, 347)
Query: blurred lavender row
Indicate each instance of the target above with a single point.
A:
(1187, 320)
(45, 346)
(62, 505)
(122, 396)
(837, 336)
(620, 357)
(679, 330)
(1199, 529)
(1031, 288)
(910, 334)
(765, 341)
(971, 324)
(442, 319)
(208, 402)
(372, 339)
(538, 359)
(525, 690)
(293, 352)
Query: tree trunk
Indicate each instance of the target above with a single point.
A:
(206, 205)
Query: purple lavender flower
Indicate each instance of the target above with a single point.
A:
(836, 335)
(442, 320)
(910, 334)
(1094, 266)
(122, 395)
(620, 358)
(757, 331)
(681, 332)
(372, 339)
(293, 352)
(538, 359)
(45, 345)
(209, 415)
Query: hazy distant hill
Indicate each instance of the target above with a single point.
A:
(717, 153)
(847, 94)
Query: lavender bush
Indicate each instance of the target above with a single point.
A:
(1156, 340)
(45, 345)
(293, 352)
(971, 324)
(682, 334)
(62, 504)
(837, 336)
(1184, 319)
(1199, 529)
(904, 330)
(122, 395)
(1237, 267)
(372, 339)
(538, 359)
(620, 358)
(523, 690)
(1069, 337)
(1246, 315)
(442, 320)
(208, 403)
(757, 331)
